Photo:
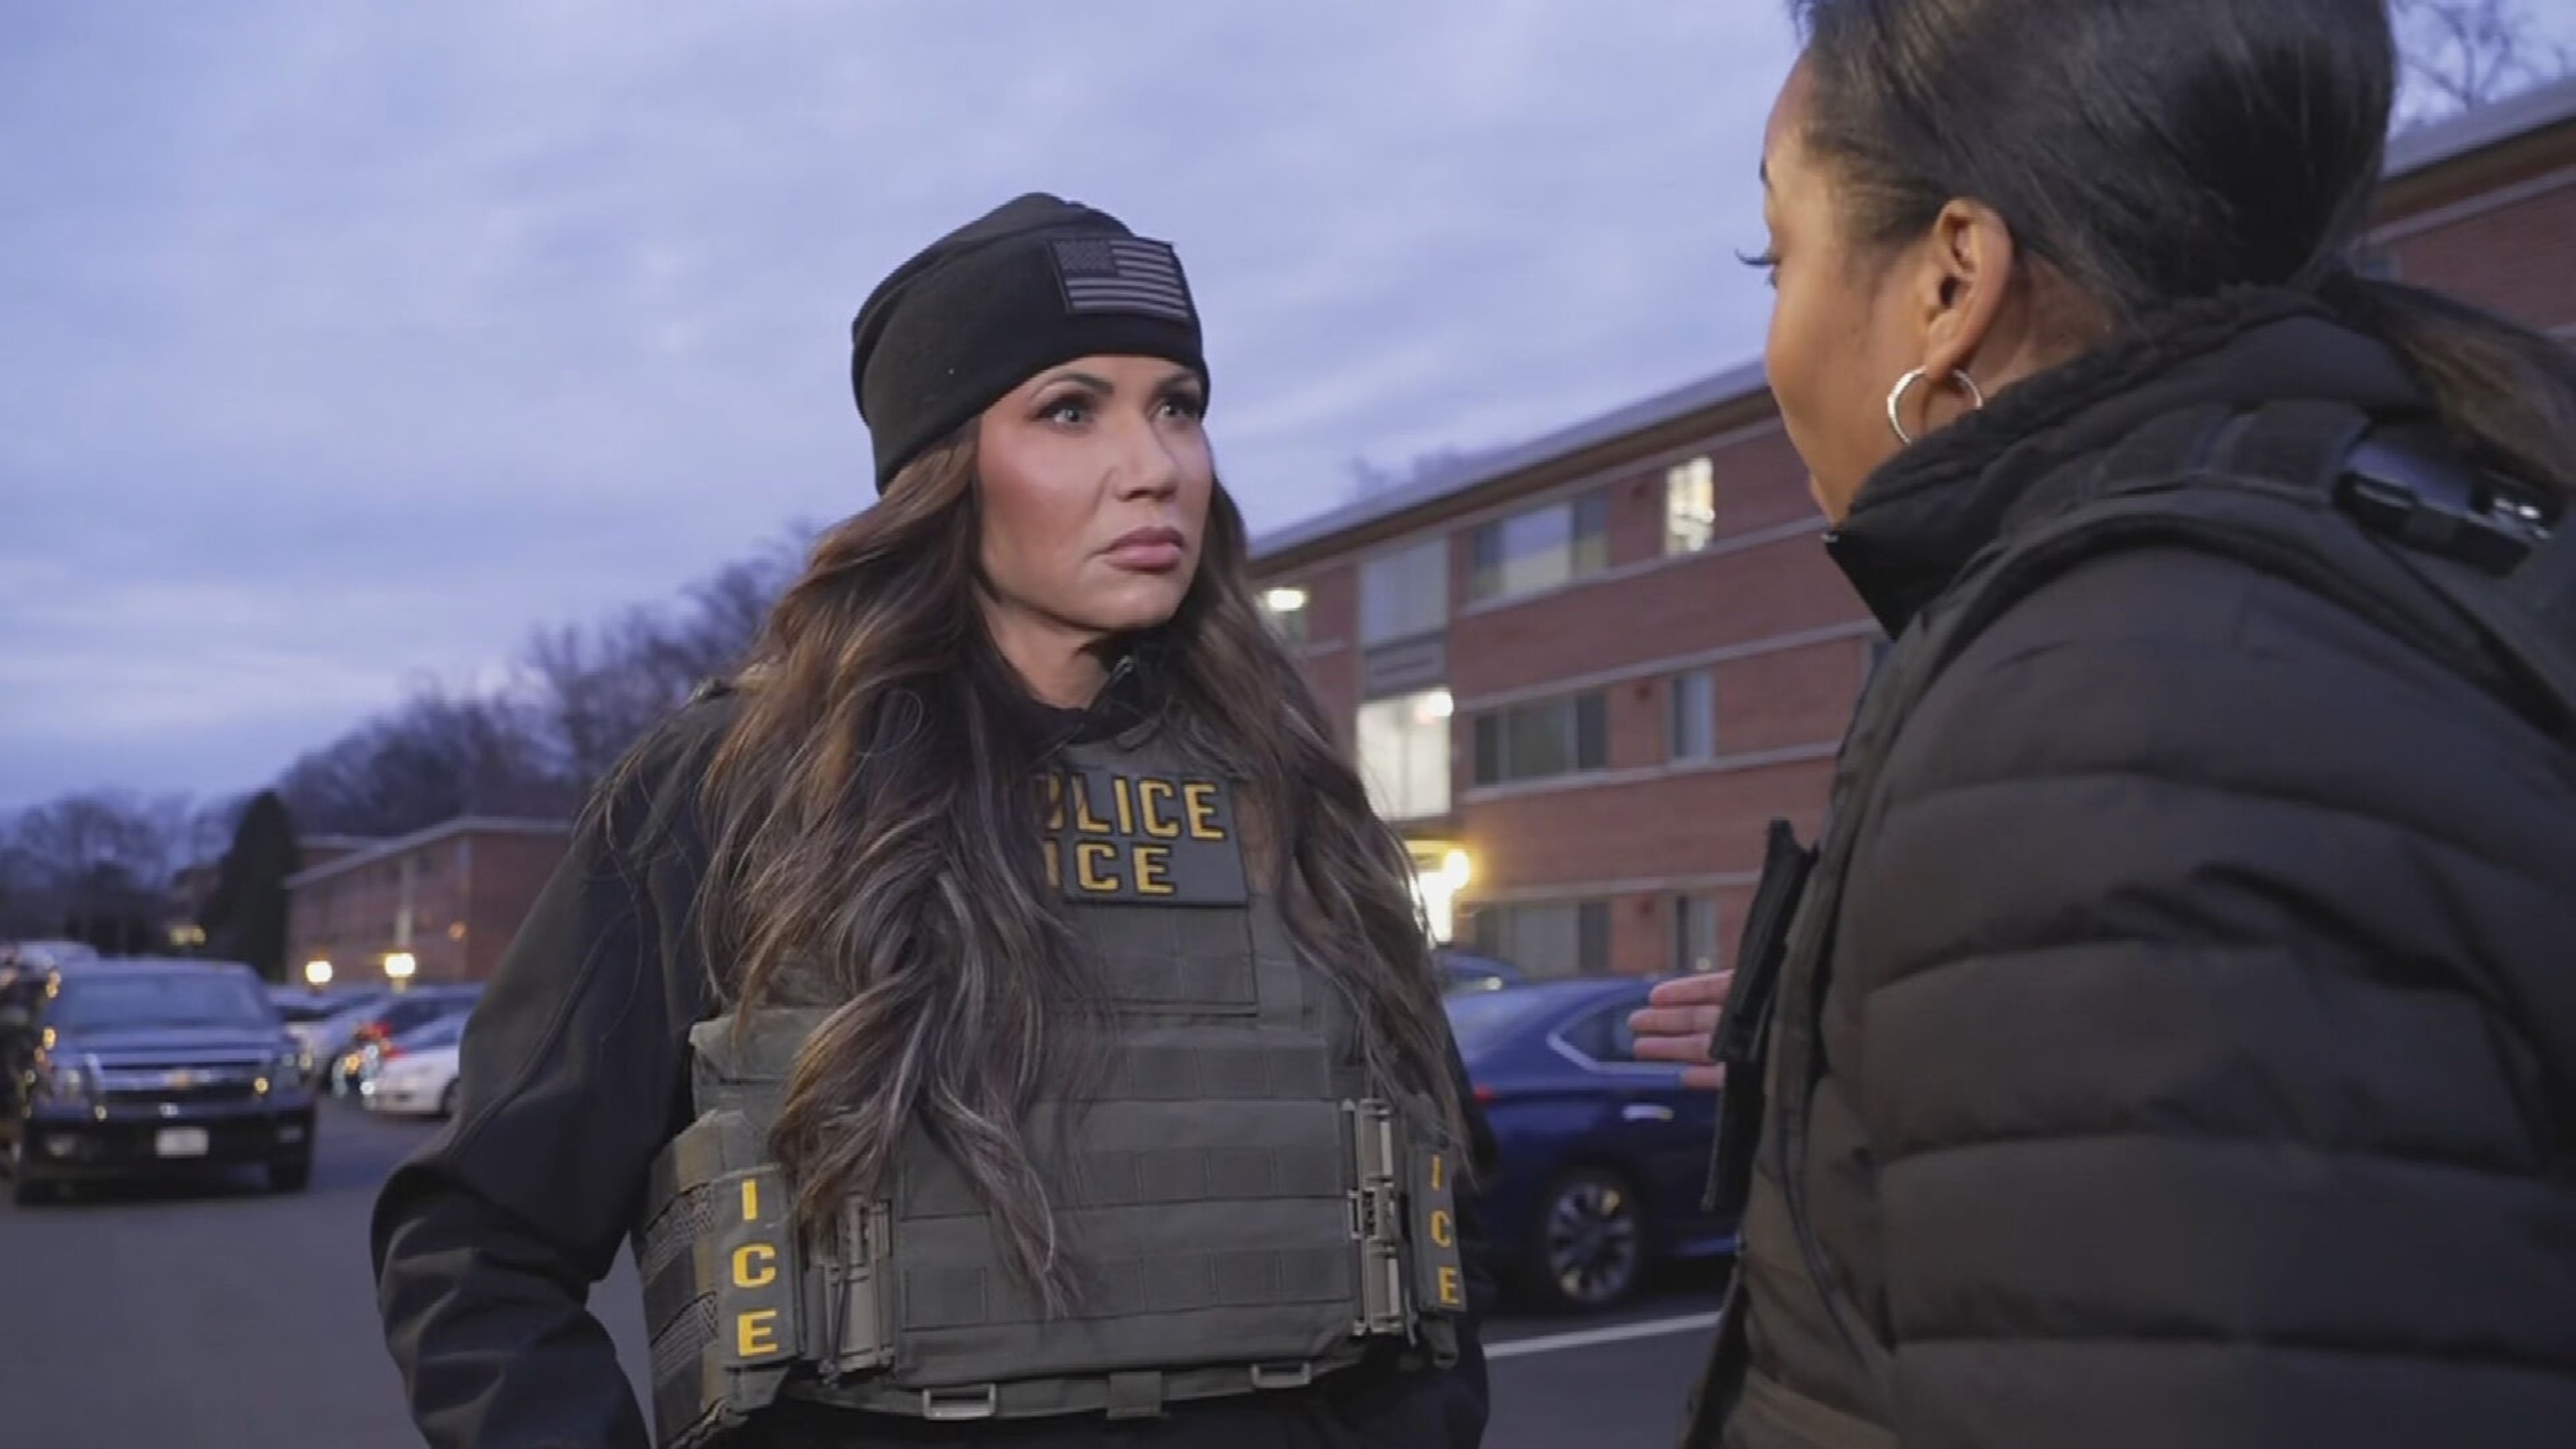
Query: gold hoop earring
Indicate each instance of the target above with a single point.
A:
(1896, 396)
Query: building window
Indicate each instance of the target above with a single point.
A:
(1690, 727)
(1694, 934)
(1554, 938)
(1539, 741)
(1541, 548)
(1404, 593)
(1285, 609)
(1690, 506)
(1404, 754)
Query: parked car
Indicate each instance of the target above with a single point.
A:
(139, 1068)
(370, 1027)
(415, 1073)
(1467, 971)
(1603, 1157)
(311, 1014)
(38, 955)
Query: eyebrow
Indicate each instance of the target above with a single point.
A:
(1076, 375)
(1176, 377)
(1764, 171)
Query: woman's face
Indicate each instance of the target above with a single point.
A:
(1094, 478)
(1850, 319)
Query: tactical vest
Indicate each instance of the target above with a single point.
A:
(1252, 1207)
(2462, 566)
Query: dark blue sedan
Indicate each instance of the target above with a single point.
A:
(1604, 1157)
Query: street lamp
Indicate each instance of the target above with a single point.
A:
(317, 973)
(399, 966)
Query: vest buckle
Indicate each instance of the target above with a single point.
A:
(853, 1310)
(1377, 1219)
(2439, 507)
(1282, 1375)
(982, 1401)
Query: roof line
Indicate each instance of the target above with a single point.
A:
(2413, 152)
(1502, 462)
(403, 844)
(2479, 127)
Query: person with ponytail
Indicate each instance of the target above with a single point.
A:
(995, 1014)
(2171, 1039)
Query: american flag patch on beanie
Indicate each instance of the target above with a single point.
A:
(1121, 274)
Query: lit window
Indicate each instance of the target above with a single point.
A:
(1285, 608)
(1690, 506)
(1404, 754)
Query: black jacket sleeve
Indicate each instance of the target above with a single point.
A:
(2210, 1042)
(487, 1240)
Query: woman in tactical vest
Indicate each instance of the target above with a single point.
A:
(2172, 1040)
(996, 1015)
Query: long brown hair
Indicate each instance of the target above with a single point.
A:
(877, 842)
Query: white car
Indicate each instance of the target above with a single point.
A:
(415, 1074)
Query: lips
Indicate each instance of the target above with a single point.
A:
(1147, 550)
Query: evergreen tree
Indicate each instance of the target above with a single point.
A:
(246, 917)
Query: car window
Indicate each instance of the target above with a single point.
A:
(160, 999)
(445, 1031)
(295, 1011)
(340, 1026)
(402, 1016)
(1604, 1035)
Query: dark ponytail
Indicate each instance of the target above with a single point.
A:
(2152, 154)
(2506, 393)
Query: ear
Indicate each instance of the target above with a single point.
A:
(1969, 274)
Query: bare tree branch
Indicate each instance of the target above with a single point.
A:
(2458, 55)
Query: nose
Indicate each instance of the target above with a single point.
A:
(1148, 466)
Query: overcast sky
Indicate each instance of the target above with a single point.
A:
(345, 343)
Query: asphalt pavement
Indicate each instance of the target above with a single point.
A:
(222, 1315)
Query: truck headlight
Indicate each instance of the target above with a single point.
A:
(69, 1084)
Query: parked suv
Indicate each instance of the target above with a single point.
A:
(140, 1068)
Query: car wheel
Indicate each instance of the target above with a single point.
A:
(1591, 1245)
(447, 1101)
(292, 1175)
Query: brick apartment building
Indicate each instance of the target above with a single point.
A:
(449, 897)
(1583, 673)
(192, 886)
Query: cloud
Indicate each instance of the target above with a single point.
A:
(350, 343)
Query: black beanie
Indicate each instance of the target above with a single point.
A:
(1035, 282)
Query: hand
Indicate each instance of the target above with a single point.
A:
(1676, 1025)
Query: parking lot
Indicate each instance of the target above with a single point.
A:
(223, 1316)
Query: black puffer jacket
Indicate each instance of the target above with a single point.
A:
(2193, 1053)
